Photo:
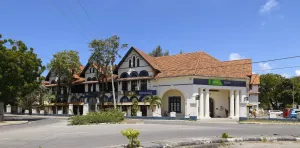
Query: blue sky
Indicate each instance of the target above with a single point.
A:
(257, 29)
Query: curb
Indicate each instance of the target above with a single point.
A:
(208, 142)
(14, 124)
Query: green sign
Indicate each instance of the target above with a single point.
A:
(215, 82)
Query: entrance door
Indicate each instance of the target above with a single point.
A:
(144, 110)
(211, 108)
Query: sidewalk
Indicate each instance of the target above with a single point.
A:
(6, 123)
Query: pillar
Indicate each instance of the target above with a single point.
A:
(70, 112)
(85, 109)
(237, 103)
(201, 104)
(128, 111)
(231, 104)
(207, 103)
(8, 108)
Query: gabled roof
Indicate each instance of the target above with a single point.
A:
(149, 59)
(255, 79)
(194, 64)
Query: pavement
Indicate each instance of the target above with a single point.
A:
(55, 133)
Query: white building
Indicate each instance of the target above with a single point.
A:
(190, 85)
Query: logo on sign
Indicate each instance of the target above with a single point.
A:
(215, 82)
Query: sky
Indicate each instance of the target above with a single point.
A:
(226, 29)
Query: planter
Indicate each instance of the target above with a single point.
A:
(42, 112)
(172, 114)
(139, 114)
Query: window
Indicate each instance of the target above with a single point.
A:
(250, 86)
(143, 84)
(144, 73)
(133, 61)
(65, 90)
(138, 62)
(129, 63)
(124, 75)
(175, 104)
(53, 82)
(94, 87)
(124, 86)
(89, 87)
(124, 108)
(133, 74)
(133, 85)
(90, 70)
(94, 79)
(53, 90)
(89, 79)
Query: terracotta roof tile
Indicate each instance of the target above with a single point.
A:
(255, 79)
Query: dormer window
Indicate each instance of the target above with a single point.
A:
(144, 73)
(133, 60)
(133, 74)
(129, 63)
(138, 62)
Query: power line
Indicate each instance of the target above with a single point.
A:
(69, 20)
(84, 11)
(288, 67)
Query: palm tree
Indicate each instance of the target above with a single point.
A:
(153, 101)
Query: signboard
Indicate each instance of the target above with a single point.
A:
(218, 82)
(130, 93)
(146, 92)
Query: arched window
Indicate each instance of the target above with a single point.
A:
(133, 74)
(129, 63)
(133, 61)
(124, 75)
(89, 79)
(138, 62)
(90, 70)
(94, 79)
(53, 82)
(144, 73)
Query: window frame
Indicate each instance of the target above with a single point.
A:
(143, 85)
(134, 84)
(174, 104)
(124, 87)
(133, 61)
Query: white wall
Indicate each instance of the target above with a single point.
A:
(220, 99)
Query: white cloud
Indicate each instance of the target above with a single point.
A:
(264, 66)
(254, 72)
(286, 75)
(298, 72)
(235, 56)
(268, 6)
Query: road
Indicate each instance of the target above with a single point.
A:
(54, 133)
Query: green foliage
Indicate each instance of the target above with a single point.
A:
(104, 53)
(132, 135)
(135, 107)
(20, 70)
(157, 52)
(276, 89)
(153, 101)
(264, 139)
(107, 116)
(288, 106)
(224, 135)
(181, 52)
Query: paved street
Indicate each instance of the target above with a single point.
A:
(54, 133)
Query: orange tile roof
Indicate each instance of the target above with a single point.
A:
(255, 79)
(197, 64)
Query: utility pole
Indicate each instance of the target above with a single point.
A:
(293, 97)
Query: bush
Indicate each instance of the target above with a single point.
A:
(107, 116)
(132, 135)
(225, 135)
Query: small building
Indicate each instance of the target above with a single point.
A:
(253, 101)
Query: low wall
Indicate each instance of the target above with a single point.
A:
(270, 119)
(160, 118)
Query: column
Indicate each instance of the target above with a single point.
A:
(8, 108)
(237, 103)
(207, 103)
(231, 104)
(70, 112)
(85, 109)
(201, 104)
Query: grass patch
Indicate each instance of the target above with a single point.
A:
(107, 116)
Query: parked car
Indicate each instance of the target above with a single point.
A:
(278, 112)
(293, 113)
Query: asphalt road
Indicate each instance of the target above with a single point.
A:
(54, 133)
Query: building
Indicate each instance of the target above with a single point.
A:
(193, 84)
(253, 101)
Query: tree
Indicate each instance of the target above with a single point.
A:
(20, 70)
(104, 53)
(153, 101)
(36, 97)
(135, 107)
(268, 92)
(180, 52)
(158, 52)
(63, 66)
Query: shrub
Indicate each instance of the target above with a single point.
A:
(132, 135)
(264, 139)
(225, 135)
(135, 107)
(106, 116)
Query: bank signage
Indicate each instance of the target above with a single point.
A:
(218, 82)
(146, 92)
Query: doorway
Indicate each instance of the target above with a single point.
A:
(211, 108)
(143, 110)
